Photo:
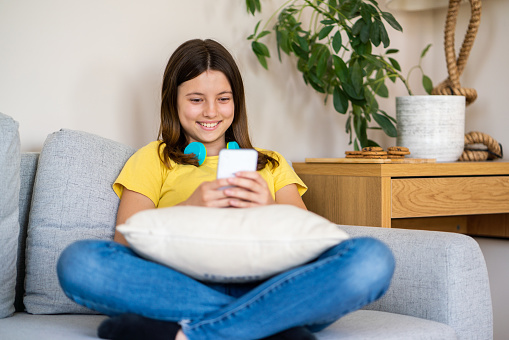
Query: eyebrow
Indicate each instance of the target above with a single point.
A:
(201, 94)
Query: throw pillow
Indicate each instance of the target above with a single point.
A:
(9, 211)
(230, 245)
(72, 200)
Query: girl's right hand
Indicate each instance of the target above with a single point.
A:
(208, 195)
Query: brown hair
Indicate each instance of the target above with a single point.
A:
(189, 60)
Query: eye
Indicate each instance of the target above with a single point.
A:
(195, 100)
(224, 99)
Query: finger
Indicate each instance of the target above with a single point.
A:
(253, 175)
(245, 183)
(235, 203)
(246, 195)
(218, 183)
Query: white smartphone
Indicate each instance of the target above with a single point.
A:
(234, 160)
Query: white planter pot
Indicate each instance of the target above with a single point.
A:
(431, 126)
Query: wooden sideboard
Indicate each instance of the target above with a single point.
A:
(465, 197)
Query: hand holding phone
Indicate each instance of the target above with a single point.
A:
(235, 160)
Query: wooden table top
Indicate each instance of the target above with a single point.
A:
(439, 169)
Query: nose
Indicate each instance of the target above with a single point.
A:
(210, 110)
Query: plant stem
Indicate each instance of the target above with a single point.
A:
(276, 12)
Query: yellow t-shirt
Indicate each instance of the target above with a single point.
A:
(146, 174)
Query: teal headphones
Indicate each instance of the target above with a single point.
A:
(201, 152)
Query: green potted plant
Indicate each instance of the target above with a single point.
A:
(335, 53)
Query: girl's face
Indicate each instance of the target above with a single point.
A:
(206, 110)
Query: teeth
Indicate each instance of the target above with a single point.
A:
(209, 125)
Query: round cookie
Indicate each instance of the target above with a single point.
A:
(373, 148)
(374, 153)
(399, 153)
(397, 148)
(353, 154)
(376, 157)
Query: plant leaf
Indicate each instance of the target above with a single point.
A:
(365, 32)
(425, 51)
(374, 33)
(337, 42)
(427, 84)
(322, 64)
(340, 100)
(256, 27)
(386, 115)
(386, 125)
(251, 6)
(260, 49)
(299, 51)
(340, 68)
(303, 43)
(395, 64)
(372, 143)
(361, 125)
(262, 34)
(283, 41)
(391, 51)
(392, 21)
(356, 77)
(324, 32)
(349, 90)
(381, 90)
(384, 37)
(262, 60)
(357, 27)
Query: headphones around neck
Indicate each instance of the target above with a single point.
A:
(200, 151)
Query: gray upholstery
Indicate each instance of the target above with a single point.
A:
(72, 200)
(439, 276)
(439, 290)
(9, 210)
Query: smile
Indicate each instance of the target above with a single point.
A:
(209, 125)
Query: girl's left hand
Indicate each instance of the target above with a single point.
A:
(249, 190)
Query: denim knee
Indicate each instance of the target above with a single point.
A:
(377, 260)
(77, 261)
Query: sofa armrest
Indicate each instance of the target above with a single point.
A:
(439, 276)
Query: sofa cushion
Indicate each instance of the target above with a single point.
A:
(230, 245)
(9, 211)
(359, 325)
(371, 325)
(72, 200)
(23, 326)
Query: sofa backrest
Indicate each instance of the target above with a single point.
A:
(65, 195)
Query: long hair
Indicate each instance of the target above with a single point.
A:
(189, 60)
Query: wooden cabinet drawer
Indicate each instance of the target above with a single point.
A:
(418, 197)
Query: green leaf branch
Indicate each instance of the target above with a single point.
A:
(335, 56)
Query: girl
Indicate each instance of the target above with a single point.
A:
(203, 101)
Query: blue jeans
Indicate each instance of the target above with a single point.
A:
(109, 278)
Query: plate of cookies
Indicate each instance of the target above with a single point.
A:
(374, 154)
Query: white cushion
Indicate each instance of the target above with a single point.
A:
(230, 245)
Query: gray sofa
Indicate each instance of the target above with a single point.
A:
(440, 289)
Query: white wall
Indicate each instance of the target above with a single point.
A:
(97, 66)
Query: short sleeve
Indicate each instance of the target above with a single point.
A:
(143, 173)
(284, 175)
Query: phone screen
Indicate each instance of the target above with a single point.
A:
(234, 160)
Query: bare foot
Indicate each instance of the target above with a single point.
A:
(181, 336)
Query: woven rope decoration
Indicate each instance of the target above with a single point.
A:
(493, 150)
(452, 86)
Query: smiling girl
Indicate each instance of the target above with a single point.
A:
(203, 101)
